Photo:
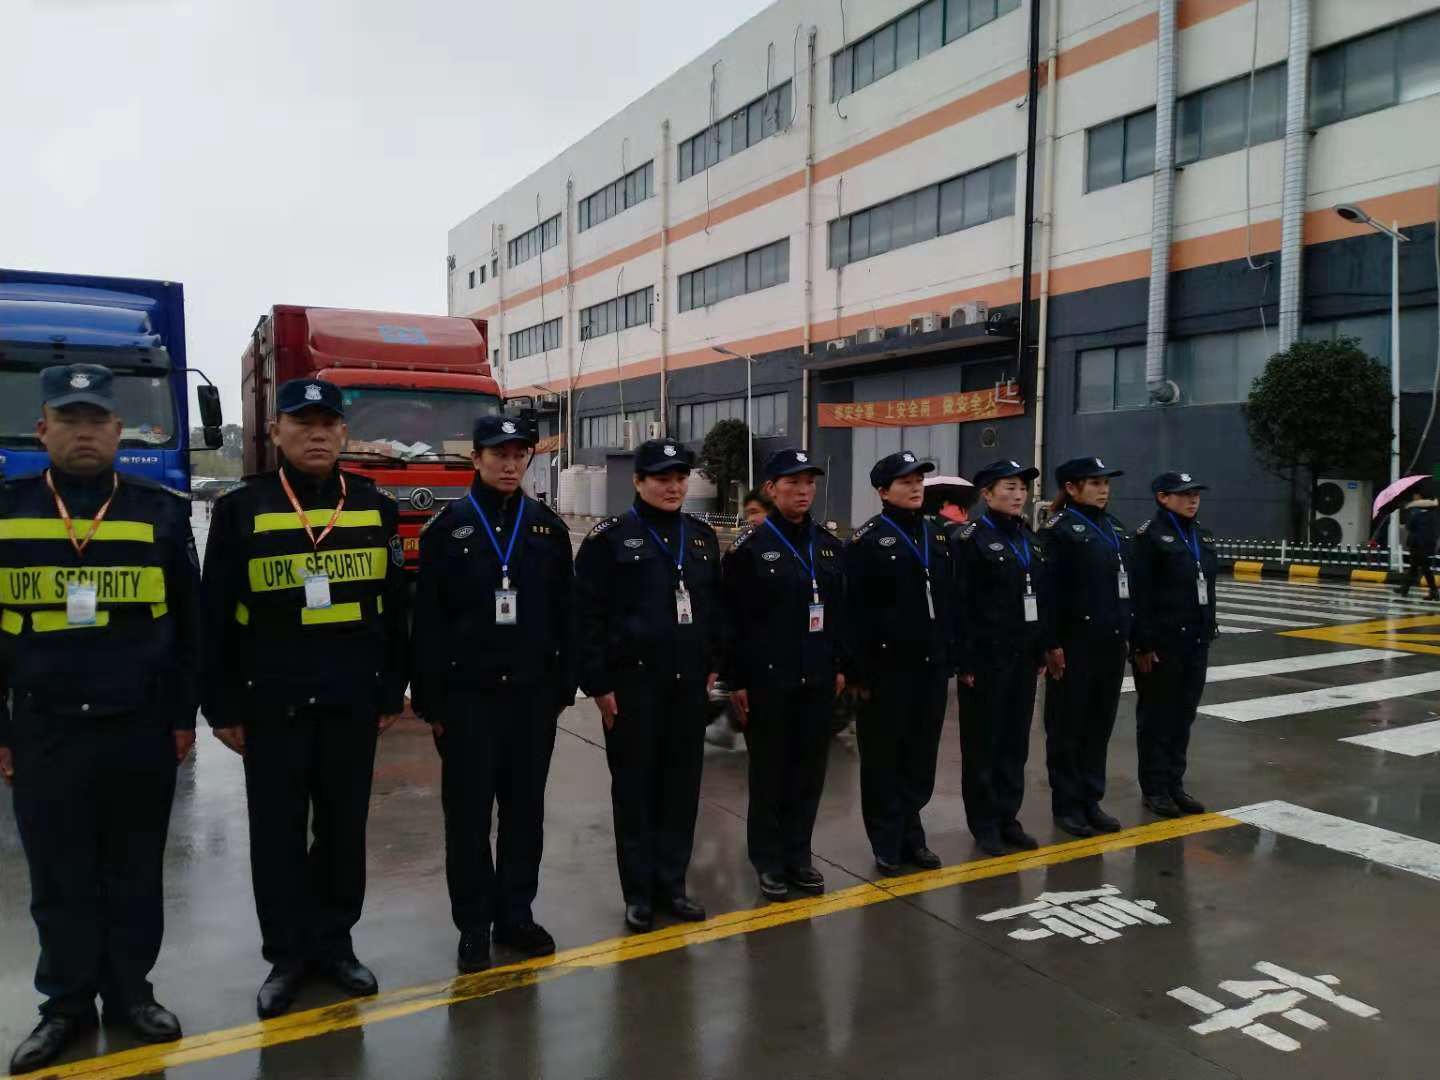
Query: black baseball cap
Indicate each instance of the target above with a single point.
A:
(297, 394)
(788, 462)
(1083, 468)
(663, 455)
(893, 466)
(1000, 470)
(495, 429)
(1176, 482)
(77, 384)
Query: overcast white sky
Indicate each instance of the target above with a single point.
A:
(300, 151)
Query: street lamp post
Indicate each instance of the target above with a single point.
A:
(1360, 217)
(749, 419)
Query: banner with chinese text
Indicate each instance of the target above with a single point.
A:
(958, 408)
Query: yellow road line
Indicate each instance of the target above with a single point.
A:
(394, 1004)
(1379, 634)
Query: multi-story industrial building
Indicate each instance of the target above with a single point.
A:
(839, 193)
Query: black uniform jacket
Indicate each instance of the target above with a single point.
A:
(990, 587)
(458, 646)
(767, 597)
(1168, 613)
(1085, 550)
(888, 623)
(143, 649)
(625, 598)
(271, 650)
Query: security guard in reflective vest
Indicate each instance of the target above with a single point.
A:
(493, 668)
(1089, 557)
(305, 597)
(783, 588)
(648, 596)
(1174, 593)
(1005, 630)
(99, 608)
(899, 598)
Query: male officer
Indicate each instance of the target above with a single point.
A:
(493, 668)
(306, 605)
(647, 595)
(1174, 597)
(99, 608)
(900, 620)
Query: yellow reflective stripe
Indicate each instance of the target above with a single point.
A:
(12, 622)
(380, 605)
(242, 614)
(289, 571)
(54, 529)
(29, 586)
(159, 611)
(332, 614)
(318, 519)
(45, 621)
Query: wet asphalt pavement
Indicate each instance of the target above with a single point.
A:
(1234, 927)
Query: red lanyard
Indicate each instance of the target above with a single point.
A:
(64, 513)
(300, 512)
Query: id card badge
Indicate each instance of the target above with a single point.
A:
(1122, 583)
(930, 601)
(80, 597)
(317, 590)
(684, 612)
(1201, 593)
(507, 610)
(817, 618)
(1032, 607)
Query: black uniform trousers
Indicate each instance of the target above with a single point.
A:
(1079, 718)
(1419, 558)
(92, 802)
(656, 752)
(1164, 712)
(788, 738)
(995, 717)
(495, 752)
(899, 736)
(307, 773)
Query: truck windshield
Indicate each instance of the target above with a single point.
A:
(143, 402)
(413, 424)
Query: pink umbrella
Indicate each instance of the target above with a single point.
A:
(1395, 490)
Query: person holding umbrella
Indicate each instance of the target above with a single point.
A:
(1422, 529)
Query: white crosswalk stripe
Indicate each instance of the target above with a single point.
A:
(1413, 740)
(1380, 596)
(1239, 629)
(1326, 602)
(1288, 664)
(1239, 617)
(1330, 697)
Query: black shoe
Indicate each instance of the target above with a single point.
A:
(1100, 821)
(1074, 824)
(150, 1022)
(888, 867)
(1016, 837)
(277, 993)
(988, 841)
(48, 1041)
(682, 907)
(352, 976)
(639, 917)
(1162, 806)
(774, 886)
(924, 858)
(806, 879)
(474, 952)
(530, 938)
(1187, 803)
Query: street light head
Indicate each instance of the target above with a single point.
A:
(1353, 213)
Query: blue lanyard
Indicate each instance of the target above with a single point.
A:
(808, 567)
(1022, 553)
(510, 547)
(1192, 542)
(680, 559)
(1108, 533)
(925, 558)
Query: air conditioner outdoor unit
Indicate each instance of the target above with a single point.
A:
(868, 334)
(549, 399)
(627, 436)
(836, 345)
(924, 324)
(970, 313)
(652, 429)
(1342, 512)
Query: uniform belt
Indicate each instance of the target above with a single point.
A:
(328, 616)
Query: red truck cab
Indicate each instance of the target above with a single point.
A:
(413, 387)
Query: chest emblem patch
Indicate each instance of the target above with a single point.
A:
(463, 532)
(770, 556)
(997, 547)
(887, 541)
(635, 543)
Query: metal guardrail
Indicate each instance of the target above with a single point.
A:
(1285, 552)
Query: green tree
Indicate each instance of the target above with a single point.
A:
(226, 462)
(724, 457)
(1320, 407)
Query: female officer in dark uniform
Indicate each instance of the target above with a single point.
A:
(1004, 631)
(783, 587)
(1174, 589)
(1088, 555)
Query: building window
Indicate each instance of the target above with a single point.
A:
(1417, 342)
(901, 42)
(1110, 378)
(542, 237)
(472, 279)
(1394, 65)
(740, 130)
(630, 190)
(621, 313)
(1211, 122)
(960, 203)
(1120, 151)
(606, 430)
(495, 266)
(755, 270)
(482, 273)
(497, 358)
(535, 339)
(1213, 369)
(770, 411)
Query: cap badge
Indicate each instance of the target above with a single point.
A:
(669, 450)
(508, 427)
(1099, 464)
(1014, 464)
(1185, 478)
(79, 381)
(801, 457)
(907, 456)
(312, 392)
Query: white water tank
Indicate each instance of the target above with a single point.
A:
(597, 491)
(569, 476)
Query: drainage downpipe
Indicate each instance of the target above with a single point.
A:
(809, 239)
(1162, 211)
(663, 293)
(1027, 258)
(1047, 239)
(1297, 147)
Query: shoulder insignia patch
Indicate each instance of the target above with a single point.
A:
(1144, 525)
(604, 525)
(387, 493)
(1053, 520)
(231, 490)
(745, 534)
(863, 529)
(969, 530)
(397, 551)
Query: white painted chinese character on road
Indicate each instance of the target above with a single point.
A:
(1280, 994)
(1093, 915)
